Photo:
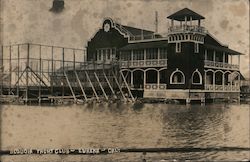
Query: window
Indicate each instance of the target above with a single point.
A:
(99, 57)
(138, 55)
(163, 53)
(178, 47)
(108, 54)
(151, 53)
(104, 51)
(177, 77)
(125, 55)
(113, 53)
(196, 47)
(196, 77)
(105, 54)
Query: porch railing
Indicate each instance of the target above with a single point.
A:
(155, 86)
(226, 88)
(144, 63)
(221, 65)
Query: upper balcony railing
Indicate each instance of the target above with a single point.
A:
(220, 65)
(144, 63)
(187, 29)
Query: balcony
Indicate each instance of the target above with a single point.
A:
(224, 88)
(187, 29)
(143, 63)
(220, 65)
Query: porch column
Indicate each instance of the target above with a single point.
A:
(238, 88)
(172, 23)
(131, 79)
(199, 22)
(231, 81)
(145, 57)
(158, 79)
(223, 59)
(132, 53)
(205, 54)
(205, 79)
(239, 61)
(144, 79)
(214, 56)
(101, 51)
(158, 55)
(213, 80)
(190, 20)
(223, 81)
(231, 59)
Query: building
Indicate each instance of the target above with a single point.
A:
(186, 64)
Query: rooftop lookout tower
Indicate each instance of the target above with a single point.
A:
(187, 28)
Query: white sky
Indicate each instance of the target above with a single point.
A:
(31, 20)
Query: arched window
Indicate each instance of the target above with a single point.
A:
(177, 77)
(196, 77)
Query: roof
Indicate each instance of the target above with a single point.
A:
(143, 45)
(137, 31)
(223, 49)
(209, 37)
(180, 15)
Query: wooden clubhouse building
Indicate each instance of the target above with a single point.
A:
(186, 64)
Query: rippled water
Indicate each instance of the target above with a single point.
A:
(127, 126)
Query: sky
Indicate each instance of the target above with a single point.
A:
(31, 21)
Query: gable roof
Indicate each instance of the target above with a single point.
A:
(185, 12)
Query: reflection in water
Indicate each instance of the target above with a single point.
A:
(129, 126)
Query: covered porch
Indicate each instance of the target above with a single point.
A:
(146, 79)
(223, 81)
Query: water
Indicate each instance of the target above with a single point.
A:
(127, 126)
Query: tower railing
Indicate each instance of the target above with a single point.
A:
(187, 28)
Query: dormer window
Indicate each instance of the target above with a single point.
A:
(178, 47)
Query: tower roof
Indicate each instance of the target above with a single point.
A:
(180, 15)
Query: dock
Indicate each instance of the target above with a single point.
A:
(41, 73)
